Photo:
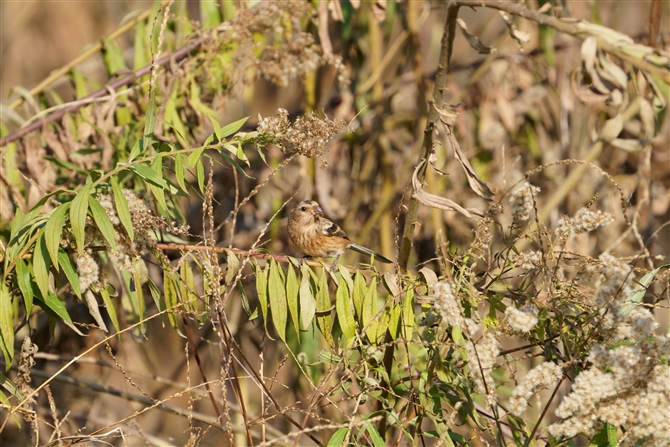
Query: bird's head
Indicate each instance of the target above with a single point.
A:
(305, 212)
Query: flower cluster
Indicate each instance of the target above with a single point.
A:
(530, 259)
(127, 251)
(481, 360)
(584, 221)
(542, 376)
(628, 382)
(521, 201)
(522, 320)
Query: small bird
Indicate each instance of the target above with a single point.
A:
(317, 236)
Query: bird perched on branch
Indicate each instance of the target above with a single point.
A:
(317, 236)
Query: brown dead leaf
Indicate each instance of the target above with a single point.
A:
(474, 40)
(477, 185)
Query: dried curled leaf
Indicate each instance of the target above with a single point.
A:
(433, 200)
(474, 40)
(521, 37)
(475, 182)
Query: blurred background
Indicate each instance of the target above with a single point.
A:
(517, 109)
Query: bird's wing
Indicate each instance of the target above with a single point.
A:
(332, 229)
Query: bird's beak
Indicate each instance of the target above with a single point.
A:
(318, 208)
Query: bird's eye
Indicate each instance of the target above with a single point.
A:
(304, 208)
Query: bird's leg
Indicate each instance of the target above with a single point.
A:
(334, 264)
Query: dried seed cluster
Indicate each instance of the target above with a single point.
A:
(307, 136)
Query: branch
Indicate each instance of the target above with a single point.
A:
(433, 117)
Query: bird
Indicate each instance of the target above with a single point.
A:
(319, 237)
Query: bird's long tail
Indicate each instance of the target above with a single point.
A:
(367, 251)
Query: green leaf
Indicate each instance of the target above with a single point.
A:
(337, 440)
(200, 174)
(324, 320)
(145, 172)
(277, 295)
(113, 56)
(215, 125)
(231, 128)
(53, 230)
(345, 312)
(210, 13)
(41, 265)
(358, 295)
(408, 318)
(24, 279)
(307, 301)
(150, 122)
(262, 290)
(111, 310)
(136, 151)
(70, 272)
(187, 287)
(170, 298)
(159, 193)
(292, 291)
(195, 155)
(78, 212)
(122, 209)
(179, 171)
(139, 275)
(54, 305)
(641, 289)
(369, 313)
(377, 440)
(6, 327)
(233, 267)
(102, 220)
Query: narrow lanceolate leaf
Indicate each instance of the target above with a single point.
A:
(233, 267)
(187, 287)
(358, 293)
(71, 274)
(122, 209)
(407, 326)
(6, 327)
(139, 274)
(148, 174)
(41, 265)
(262, 290)
(102, 221)
(337, 440)
(277, 295)
(369, 312)
(94, 309)
(200, 175)
(394, 320)
(641, 289)
(292, 291)
(78, 211)
(50, 303)
(24, 279)
(377, 439)
(170, 298)
(231, 128)
(345, 312)
(179, 171)
(307, 301)
(159, 191)
(111, 310)
(53, 230)
(323, 308)
(150, 123)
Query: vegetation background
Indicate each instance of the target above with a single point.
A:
(246, 346)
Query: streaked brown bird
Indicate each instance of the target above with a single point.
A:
(317, 236)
